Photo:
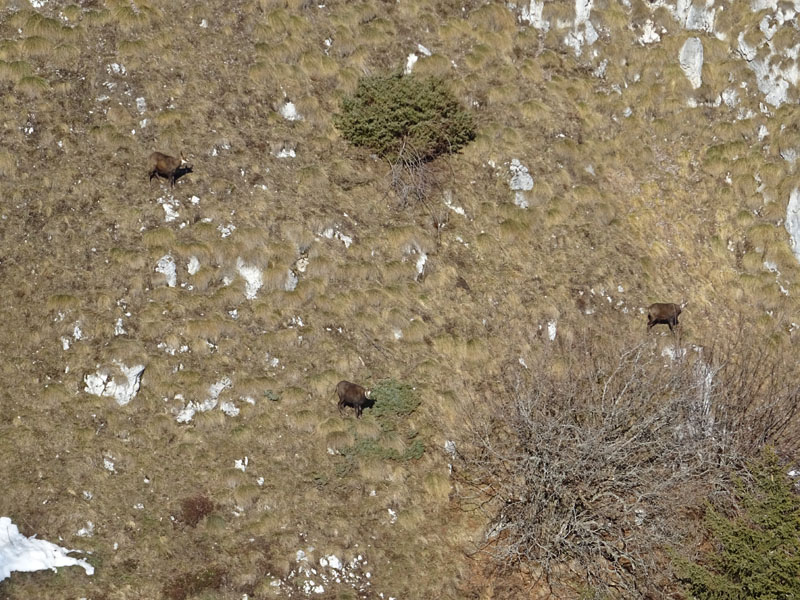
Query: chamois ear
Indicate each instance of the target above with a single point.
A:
(183, 158)
(368, 394)
(684, 304)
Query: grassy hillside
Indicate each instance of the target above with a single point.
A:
(644, 189)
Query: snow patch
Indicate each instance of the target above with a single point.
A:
(412, 58)
(25, 554)
(229, 408)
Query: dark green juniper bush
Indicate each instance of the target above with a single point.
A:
(393, 113)
(409, 121)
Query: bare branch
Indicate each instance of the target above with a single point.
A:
(592, 470)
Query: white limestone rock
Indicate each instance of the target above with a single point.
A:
(691, 59)
(122, 385)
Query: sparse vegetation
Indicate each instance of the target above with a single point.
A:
(187, 585)
(282, 265)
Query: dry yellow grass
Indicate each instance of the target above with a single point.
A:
(653, 218)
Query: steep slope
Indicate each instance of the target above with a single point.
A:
(613, 167)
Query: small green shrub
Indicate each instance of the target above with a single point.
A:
(272, 396)
(367, 448)
(758, 550)
(393, 398)
(400, 115)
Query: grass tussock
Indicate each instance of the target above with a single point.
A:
(189, 584)
(635, 196)
(15, 70)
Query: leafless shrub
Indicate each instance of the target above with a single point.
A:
(754, 398)
(595, 470)
(415, 180)
(194, 509)
(412, 176)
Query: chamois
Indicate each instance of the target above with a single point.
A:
(168, 167)
(352, 394)
(665, 313)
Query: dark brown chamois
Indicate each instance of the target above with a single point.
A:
(665, 313)
(168, 167)
(352, 394)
